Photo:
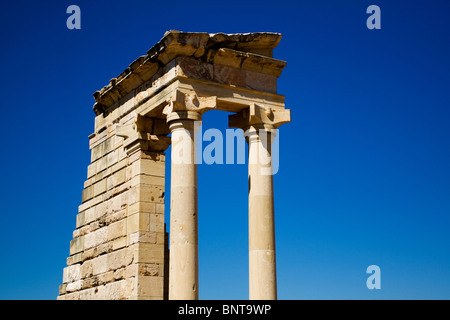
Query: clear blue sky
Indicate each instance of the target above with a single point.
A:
(364, 166)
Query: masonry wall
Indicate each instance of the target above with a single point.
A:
(119, 246)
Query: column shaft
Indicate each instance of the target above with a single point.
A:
(262, 262)
(183, 272)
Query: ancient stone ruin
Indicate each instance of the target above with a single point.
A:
(120, 247)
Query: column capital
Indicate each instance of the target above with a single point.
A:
(140, 135)
(184, 115)
(259, 117)
(188, 105)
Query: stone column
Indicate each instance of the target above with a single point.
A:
(261, 221)
(259, 124)
(182, 114)
(183, 272)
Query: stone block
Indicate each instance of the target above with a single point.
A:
(142, 236)
(76, 245)
(100, 264)
(97, 200)
(103, 248)
(140, 206)
(62, 289)
(160, 237)
(74, 286)
(112, 158)
(119, 177)
(100, 164)
(138, 222)
(87, 194)
(132, 270)
(122, 154)
(96, 237)
(150, 193)
(72, 273)
(119, 274)
(87, 183)
(117, 229)
(157, 222)
(148, 167)
(90, 283)
(99, 187)
(80, 220)
(119, 165)
(96, 138)
(100, 210)
(194, 68)
(114, 216)
(149, 269)
(135, 156)
(159, 208)
(86, 269)
(119, 259)
(147, 179)
(118, 202)
(148, 253)
(94, 226)
(148, 286)
(84, 206)
(119, 243)
(76, 258)
(229, 75)
(89, 254)
(262, 82)
(111, 291)
(102, 149)
(132, 195)
(88, 294)
(72, 296)
(91, 170)
(106, 277)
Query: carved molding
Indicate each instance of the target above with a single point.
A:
(259, 116)
(187, 105)
(139, 135)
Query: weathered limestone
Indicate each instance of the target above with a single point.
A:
(120, 249)
(183, 272)
(120, 240)
(259, 125)
(182, 115)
